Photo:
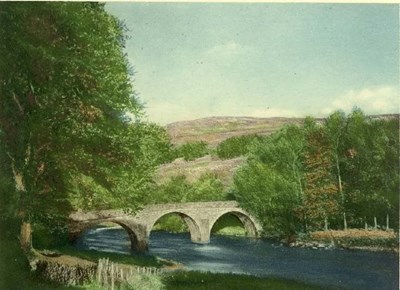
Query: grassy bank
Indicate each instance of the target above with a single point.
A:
(378, 240)
(15, 271)
(94, 256)
(211, 281)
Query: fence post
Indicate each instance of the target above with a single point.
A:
(387, 222)
(98, 276)
(112, 276)
(106, 266)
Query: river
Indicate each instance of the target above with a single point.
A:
(348, 269)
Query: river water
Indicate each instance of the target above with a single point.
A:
(326, 267)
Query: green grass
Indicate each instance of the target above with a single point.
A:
(15, 271)
(91, 255)
(211, 281)
(228, 225)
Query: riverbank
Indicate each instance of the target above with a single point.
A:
(351, 239)
(193, 280)
(176, 278)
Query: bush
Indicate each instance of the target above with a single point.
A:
(235, 146)
(192, 150)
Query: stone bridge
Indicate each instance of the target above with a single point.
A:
(200, 217)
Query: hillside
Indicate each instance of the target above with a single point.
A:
(222, 169)
(214, 130)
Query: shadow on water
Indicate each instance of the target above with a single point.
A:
(334, 267)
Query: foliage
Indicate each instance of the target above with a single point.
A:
(320, 192)
(207, 188)
(342, 170)
(271, 185)
(14, 268)
(49, 231)
(172, 223)
(228, 225)
(267, 194)
(235, 146)
(66, 140)
(372, 168)
(192, 150)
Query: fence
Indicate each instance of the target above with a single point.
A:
(110, 274)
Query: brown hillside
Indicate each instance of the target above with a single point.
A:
(193, 170)
(214, 130)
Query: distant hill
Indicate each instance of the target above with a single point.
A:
(214, 130)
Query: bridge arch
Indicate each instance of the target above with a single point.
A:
(78, 229)
(193, 226)
(248, 222)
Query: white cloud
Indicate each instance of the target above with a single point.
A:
(227, 51)
(378, 100)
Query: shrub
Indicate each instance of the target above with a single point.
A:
(235, 146)
(192, 150)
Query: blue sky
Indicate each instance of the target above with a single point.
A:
(195, 60)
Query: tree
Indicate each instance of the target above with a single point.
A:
(336, 126)
(271, 184)
(64, 92)
(269, 196)
(371, 170)
(321, 201)
(284, 152)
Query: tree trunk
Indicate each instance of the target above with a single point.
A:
(341, 192)
(375, 223)
(26, 236)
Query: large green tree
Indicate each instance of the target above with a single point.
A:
(271, 185)
(371, 170)
(65, 92)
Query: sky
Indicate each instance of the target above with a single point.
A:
(195, 60)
